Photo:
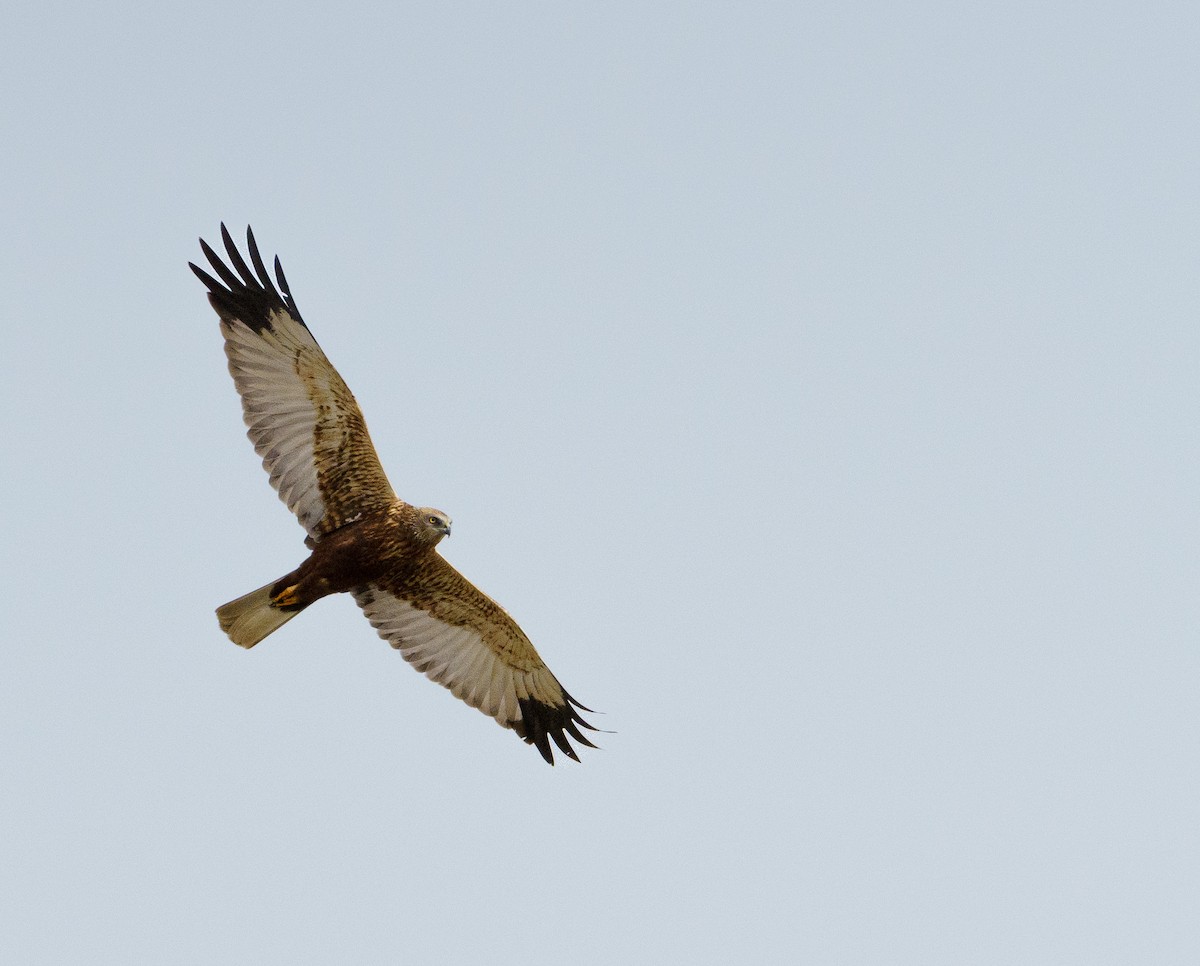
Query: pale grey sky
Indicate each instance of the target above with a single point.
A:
(816, 384)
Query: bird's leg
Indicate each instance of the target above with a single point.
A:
(335, 565)
(288, 597)
(300, 588)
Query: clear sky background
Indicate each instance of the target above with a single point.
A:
(815, 383)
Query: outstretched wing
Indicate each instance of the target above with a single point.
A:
(302, 419)
(459, 637)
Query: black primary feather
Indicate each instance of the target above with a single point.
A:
(541, 722)
(249, 296)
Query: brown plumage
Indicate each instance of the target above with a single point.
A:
(310, 433)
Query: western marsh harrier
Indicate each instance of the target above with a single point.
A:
(364, 541)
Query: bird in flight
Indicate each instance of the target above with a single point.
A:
(364, 540)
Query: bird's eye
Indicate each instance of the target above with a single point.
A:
(434, 520)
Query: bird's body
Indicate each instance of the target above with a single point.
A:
(363, 539)
(380, 546)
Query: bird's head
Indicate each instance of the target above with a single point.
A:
(431, 525)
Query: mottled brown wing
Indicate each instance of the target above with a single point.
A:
(459, 637)
(302, 419)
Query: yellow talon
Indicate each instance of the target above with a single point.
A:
(286, 597)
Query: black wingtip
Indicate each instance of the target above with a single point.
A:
(542, 723)
(283, 285)
(242, 293)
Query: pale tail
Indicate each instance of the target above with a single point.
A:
(249, 619)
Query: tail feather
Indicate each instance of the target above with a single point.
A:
(252, 617)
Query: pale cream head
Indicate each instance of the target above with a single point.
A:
(432, 524)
